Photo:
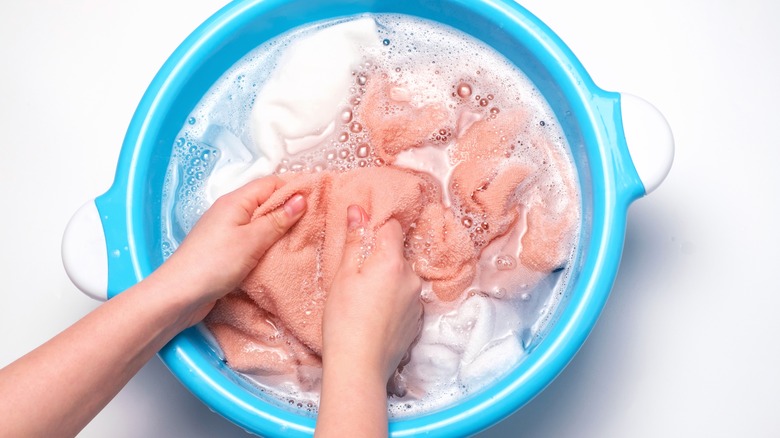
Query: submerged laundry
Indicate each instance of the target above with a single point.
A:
(272, 325)
(410, 119)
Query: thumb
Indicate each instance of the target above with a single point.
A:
(357, 220)
(390, 239)
(271, 226)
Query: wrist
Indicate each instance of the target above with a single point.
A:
(355, 390)
(348, 351)
(362, 369)
(175, 301)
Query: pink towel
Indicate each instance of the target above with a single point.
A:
(395, 125)
(256, 341)
(274, 322)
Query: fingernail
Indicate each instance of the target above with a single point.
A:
(354, 216)
(294, 205)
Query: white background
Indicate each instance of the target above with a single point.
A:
(687, 344)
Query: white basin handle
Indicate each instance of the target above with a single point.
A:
(84, 252)
(649, 139)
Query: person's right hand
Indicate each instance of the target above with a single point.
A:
(373, 309)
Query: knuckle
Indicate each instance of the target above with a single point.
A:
(398, 267)
(221, 201)
(355, 235)
(272, 180)
(276, 221)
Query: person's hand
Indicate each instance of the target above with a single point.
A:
(373, 309)
(372, 315)
(226, 244)
(56, 389)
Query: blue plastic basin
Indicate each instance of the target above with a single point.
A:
(590, 117)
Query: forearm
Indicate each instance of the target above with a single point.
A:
(59, 387)
(353, 402)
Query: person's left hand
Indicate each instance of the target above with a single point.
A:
(373, 310)
(226, 244)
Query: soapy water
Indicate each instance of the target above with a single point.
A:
(464, 345)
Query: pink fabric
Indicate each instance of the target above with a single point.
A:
(551, 221)
(256, 341)
(395, 125)
(274, 322)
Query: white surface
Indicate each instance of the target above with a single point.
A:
(84, 253)
(686, 345)
(649, 139)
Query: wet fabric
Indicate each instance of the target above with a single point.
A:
(273, 323)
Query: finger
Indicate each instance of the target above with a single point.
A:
(253, 194)
(390, 238)
(271, 226)
(357, 219)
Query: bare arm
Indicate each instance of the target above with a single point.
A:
(56, 389)
(371, 317)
